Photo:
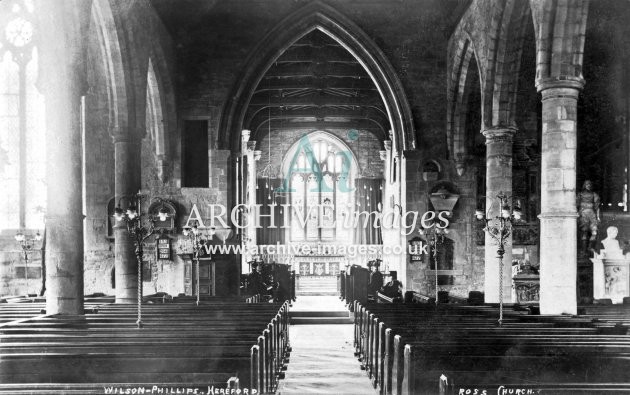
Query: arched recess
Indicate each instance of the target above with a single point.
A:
(317, 15)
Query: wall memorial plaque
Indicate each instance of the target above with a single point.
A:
(163, 248)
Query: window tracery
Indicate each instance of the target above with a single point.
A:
(22, 123)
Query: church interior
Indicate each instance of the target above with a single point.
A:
(314, 196)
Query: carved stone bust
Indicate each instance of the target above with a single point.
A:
(611, 250)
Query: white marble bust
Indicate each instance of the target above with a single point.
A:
(611, 244)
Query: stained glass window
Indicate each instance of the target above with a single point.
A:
(22, 123)
(319, 205)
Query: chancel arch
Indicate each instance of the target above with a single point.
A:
(318, 16)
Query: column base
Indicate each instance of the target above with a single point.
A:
(558, 263)
(67, 307)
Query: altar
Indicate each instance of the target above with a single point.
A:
(318, 265)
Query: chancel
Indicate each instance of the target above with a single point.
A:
(314, 196)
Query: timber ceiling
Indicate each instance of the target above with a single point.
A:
(316, 84)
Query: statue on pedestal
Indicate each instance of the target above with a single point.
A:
(610, 270)
(589, 217)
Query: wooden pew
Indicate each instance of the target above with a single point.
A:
(383, 357)
(341, 284)
(356, 287)
(178, 344)
(485, 368)
(348, 290)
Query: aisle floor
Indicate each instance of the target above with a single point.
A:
(322, 361)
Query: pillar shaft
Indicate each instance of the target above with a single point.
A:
(64, 213)
(252, 159)
(498, 179)
(558, 224)
(127, 182)
(63, 80)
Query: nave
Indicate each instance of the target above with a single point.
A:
(319, 345)
(458, 168)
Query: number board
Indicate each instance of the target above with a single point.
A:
(163, 249)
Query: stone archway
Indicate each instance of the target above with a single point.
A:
(313, 16)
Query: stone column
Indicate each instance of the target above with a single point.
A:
(127, 182)
(63, 81)
(498, 179)
(64, 213)
(252, 158)
(558, 217)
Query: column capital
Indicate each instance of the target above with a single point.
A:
(245, 135)
(502, 133)
(382, 154)
(121, 137)
(561, 82)
(257, 154)
(558, 215)
(388, 145)
(251, 146)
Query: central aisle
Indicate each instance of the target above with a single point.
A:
(322, 360)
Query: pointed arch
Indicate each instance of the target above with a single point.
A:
(560, 29)
(459, 89)
(317, 15)
(500, 90)
(154, 112)
(111, 55)
(161, 95)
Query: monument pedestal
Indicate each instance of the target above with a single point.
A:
(584, 279)
(611, 278)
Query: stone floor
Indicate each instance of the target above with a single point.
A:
(322, 361)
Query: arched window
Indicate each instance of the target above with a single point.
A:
(319, 170)
(22, 124)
